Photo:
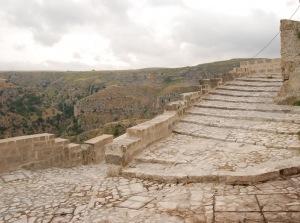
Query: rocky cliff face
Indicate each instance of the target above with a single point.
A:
(290, 62)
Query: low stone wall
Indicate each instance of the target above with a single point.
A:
(259, 66)
(44, 150)
(124, 148)
(94, 148)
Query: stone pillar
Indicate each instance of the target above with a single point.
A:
(290, 62)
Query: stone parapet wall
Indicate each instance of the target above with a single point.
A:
(290, 62)
(44, 150)
(258, 66)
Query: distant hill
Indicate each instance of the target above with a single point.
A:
(44, 101)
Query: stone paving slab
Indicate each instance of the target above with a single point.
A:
(243, 94)
(215, 97)
(248, 107)
(237, 203)
(267, 126)
(185, 153)
(246, 115)
(84, 194)
(291, 217)
(238, 217)
(279, 202)
(250, 88)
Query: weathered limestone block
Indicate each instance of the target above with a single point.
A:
(227, 77)
(97, 147)
(178, 106)
(154, 129)
(205, 83)
(290, 62)
(75, 156)
(215, 82)
(191, 97)
(20, 151)
(122, 150)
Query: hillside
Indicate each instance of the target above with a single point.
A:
(44, 101)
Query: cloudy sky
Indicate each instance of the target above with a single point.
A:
(121, 34)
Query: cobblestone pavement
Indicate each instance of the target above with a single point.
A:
(83, 194)
(232, 132)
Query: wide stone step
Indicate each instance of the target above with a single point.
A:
(249, 79)
(249, 89)
(215, 97)
(228, 92)
(248, 107)
(267, 139)
(185, 159)
(183, 173)
(268, 76)
(266, 126)
(246, 115)
(254, 84)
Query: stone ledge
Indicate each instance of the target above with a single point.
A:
(280, 168)
(95, 148)
(123, 148)
(41, 151)
(100, 140)
(36, 137)
(61, 141)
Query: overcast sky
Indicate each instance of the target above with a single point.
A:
(122, 34)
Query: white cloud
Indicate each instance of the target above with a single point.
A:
(112, 34)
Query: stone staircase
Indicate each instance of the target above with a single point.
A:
(234, 134)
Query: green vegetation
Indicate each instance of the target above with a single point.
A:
(26, 105)
(45, 100)
(297, 103)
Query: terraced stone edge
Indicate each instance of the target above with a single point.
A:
(237, 178)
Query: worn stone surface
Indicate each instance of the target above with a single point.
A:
(225, 139)
(222, 163)
(290, 62)
(84, 194)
